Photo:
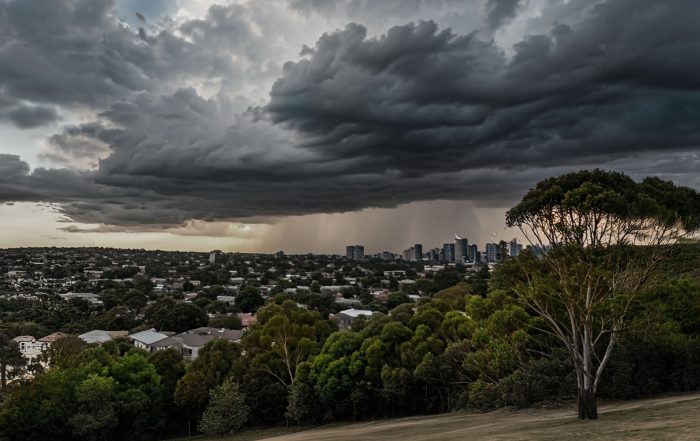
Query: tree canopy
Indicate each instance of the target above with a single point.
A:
(601, 236)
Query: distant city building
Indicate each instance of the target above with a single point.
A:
(492, 252)
(418, 252)
(515, 248)
(214, 256)
(355, 252)
(461, 249)
(448, 252)
(435, 255)
(473, 253)
(539, 250)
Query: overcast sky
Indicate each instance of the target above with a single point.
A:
(306, 125)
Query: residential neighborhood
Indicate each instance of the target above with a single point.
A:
(159, 300)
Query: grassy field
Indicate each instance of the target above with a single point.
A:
(668, 418)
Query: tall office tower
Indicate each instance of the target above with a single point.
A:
(461, 249)
(355, 252)
(515, 248)
(473, 253)
(418, 248)
(214, 256)
(448, 252)
(492, 252)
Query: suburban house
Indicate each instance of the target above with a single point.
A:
(247, 319)
(344, 318)
(188, 343)
(348, 303)
(381, 294)
(226, 299)
(146, 339)
(29, 347)
(87, 296)
(98, 336)
(51, 339)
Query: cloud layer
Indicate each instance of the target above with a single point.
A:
(204, 119)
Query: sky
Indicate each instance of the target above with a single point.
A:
(308, 125)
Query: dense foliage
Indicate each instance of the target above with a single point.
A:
(455, 350)
(608, 237)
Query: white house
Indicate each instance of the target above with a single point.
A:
(146, 339)
(99, 336)
(344, 318)
(29, 347)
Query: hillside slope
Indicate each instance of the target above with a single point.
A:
(668, 418)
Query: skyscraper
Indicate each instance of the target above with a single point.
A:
(473, 253)
(492, 252)
(355, 252)
(461, 249)
(448, 252)
(418, 252)
(515, 248)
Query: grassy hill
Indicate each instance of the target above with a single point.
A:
(668, 418)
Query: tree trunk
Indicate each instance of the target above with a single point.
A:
(587, 405)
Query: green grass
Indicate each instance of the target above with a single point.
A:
(667, 418)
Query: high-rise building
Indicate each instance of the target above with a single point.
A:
(461, 249)
(418, 252)
(492, 252)
(448, 252)
(473, 253)
(214, 256)
(355, 252)
(435, 255)
(515, 248)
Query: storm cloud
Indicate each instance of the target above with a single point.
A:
(417, 112)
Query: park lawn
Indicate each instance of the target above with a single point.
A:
(666, 418)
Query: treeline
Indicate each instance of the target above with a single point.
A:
(456, 350)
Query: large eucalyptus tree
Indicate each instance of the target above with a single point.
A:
(604, 238)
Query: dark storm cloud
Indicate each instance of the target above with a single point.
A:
(421, 99)
(27, 117)
(76, 53)
(419, 113)
(501, 11)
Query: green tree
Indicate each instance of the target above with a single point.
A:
(395, 299)
(284, 336)
(12, 362)
(96, 414)
(170, 366)
(64, 352)
(226, 411)
(138, 395)
(249, 299)
(167, 315)
(135, 299)
(228, 321)
(608, 236)
(217, 360)
(446, 278)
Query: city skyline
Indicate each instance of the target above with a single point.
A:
(306, 125)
